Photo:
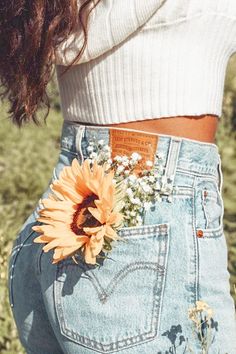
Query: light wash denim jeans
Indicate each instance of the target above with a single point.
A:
(137, 302)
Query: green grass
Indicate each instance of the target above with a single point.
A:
(27, 157)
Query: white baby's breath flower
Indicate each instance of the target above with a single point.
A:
(132, 213)
(125, 158)
(118, 158)
(151, 179)
(125, 161)
(107, 155)
(149, 163)
(120, 169)
(157, 185)
(139, 220)
(135, 201)
(147, 205)
(129, 192)
(90, 148)
(164, 179)
(160, 155)
(158, 198)
(146, 188)
(93, 155)
(132, 179)
(106, 148)
(100, 142)
(135, 156)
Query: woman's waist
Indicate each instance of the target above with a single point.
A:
(183, 154)
(201, 128)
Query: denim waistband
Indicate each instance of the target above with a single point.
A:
(178, 153)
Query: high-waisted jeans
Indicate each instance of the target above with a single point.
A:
(138, 301)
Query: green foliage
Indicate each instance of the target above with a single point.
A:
(27, 158)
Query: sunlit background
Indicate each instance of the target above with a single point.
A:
(27, 158)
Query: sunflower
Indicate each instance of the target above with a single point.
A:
(82, 212)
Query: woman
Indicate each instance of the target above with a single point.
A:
(125, 250)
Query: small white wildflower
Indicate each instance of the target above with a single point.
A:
(125, 158)
(151, 179)
(135, 201)
(132, 179)
(89, 148)
(106, 148)
(120, 169)
(129, 192)
(170, 198)
(147, 205)
(160, 169)
(160, 155)
(126, 172)
(146, 188)
(164, 179)
(157, 185)
(107, 155)
(135, 156)
(118, 158)
(158, 197)
(100, 142)
(132, 213)
(93, 155)
(149, 163)
(125, 161)
(139, 220)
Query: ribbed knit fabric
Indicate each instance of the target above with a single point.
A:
(148, 59)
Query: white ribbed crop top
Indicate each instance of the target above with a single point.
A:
(148, 59)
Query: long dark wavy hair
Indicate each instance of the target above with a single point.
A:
(30, 32)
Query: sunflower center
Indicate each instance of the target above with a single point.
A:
(82, 217)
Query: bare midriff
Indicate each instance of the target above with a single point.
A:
(202, 128)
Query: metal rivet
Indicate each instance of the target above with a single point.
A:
(199, 233)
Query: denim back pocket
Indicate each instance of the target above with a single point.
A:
(117, 304)
(209, 209)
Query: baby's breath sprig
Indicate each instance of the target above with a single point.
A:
(203, 327)
(142, 189)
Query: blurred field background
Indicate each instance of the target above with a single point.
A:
(27, 158)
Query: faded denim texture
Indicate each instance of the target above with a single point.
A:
(137, 301)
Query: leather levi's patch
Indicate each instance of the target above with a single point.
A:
(125, 142)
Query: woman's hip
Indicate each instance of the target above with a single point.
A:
(172, 249)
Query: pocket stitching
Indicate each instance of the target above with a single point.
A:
(13, 258)
(156, 307)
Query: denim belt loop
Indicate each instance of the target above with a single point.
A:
(171, 164)
(78, 141)
(220, 175)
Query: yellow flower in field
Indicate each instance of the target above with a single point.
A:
(80, 213)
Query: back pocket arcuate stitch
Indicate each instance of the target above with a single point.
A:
(118, 304)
